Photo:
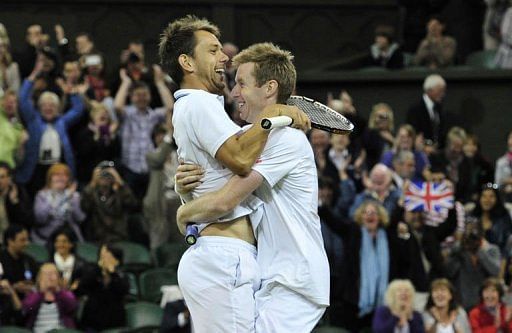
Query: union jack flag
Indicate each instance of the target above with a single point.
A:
(429, 197)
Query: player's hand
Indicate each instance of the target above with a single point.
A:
(300, 119)
(187, 178)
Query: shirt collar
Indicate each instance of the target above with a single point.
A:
(185, 92)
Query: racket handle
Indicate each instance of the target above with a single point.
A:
(191, 235)
(274, 122)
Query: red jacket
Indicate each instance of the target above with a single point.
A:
(482, 321)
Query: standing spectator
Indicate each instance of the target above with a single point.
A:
(12, 134)
(385, 52)
(57, 205)
(48, 138)
(320, 141)
(161, 202)
(491, 315)
(50, 306)
(105, 287)
(503, 174)
(137, 123)
(97, 142)
(34, 41)
(378, 138)
(19, 268)
(62, 246)
(9, 71)
(84, 45)
(436, 50)
(15, 205)
(426, 116)
(468, 266)
(107, 201)
(482, 172)
(94, 76)
(443, 313)
(504, 54)
(405, 141)
(398, 314)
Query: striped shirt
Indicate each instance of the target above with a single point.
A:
(47, 318)
(136, 131)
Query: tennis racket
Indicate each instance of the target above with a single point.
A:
(321, 116)
(192, 234)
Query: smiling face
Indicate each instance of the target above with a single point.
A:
(250, 98)
(370, 217)
(488, 199)
(441, 296)
(63, 245)
(491, 296)
(209, 62)
(405, 141)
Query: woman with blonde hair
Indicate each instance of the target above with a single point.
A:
(398, 315)
(379, 137)
(56, 205)
(9, 70)
(50, 306)
(365, 272)
(442, 313)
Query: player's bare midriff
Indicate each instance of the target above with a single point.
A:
(238, 228)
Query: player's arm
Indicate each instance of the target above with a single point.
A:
(239, 152)
(216, 204)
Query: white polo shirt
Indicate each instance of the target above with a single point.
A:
(201, 126)
(290, 244)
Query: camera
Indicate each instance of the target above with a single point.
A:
(104, 169)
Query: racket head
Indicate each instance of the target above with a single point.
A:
(322, 116)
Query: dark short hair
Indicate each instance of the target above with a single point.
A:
(492, 282)
(386, 31)
(116, 251)
(7, 167)
(139, 85)
(11, 232)
(66, 231)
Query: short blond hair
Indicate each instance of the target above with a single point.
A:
(390, 296)
(44, 267)
(270, 63)
(48, 95)
(372, 122)
(381, 213)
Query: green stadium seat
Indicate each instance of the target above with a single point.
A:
(88, 252)
(133, 292)
(168, 255)
(143, 315)
(152, 280)
(483, 59)
(136, 258)
(38, 252)
(65, 330)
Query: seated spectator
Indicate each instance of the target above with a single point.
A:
(99, 141)
(10, 305)
(62, 246)
(503, 174)
(491, 315)
(436, 50)
(398, 315)
(404, 169)
(456, 165)
(504, 55)
(94, 77)
(10, 78)
(50, 306)
(137, 123)
(379, 187)
(320, 142)
(161, 201)
(105, 287)
(442, 313)
(15, 205)
(482, 171)
(57, 205)
(367, 266)
(385, 52)
(381, 125)
(12, 134)
(405, 140)
(494, 219)
(48, 138)
(19, 268)
(107, 201)
(468, 266)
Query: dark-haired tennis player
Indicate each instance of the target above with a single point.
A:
(293, 264)
(219, 275)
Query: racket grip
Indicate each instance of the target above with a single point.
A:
(274, 122)
(191, 235)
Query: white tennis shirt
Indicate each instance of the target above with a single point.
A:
(290, 244)
(201, 126)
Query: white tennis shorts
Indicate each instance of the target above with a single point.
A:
(218, 277)
(282, 310)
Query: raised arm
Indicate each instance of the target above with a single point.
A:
(240, 152)
(165, 93)
(216, 204)
(122, 92)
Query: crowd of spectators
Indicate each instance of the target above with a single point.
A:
(83, 159)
